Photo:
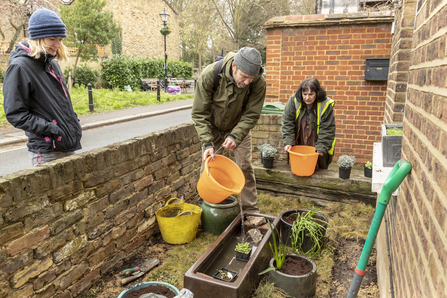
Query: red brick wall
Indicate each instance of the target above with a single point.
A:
(335, 55)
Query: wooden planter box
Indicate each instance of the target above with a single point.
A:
(391, 146)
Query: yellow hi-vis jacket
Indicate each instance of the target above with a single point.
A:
(322, 124)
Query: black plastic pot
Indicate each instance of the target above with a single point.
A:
(244, 257)
(298, 286)
(286, 229)
(218, 276)
(344, 173)
(368, 172)
(267, 162)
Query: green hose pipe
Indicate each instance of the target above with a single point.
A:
(392, 182)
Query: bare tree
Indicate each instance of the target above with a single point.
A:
(302, 7)
(18, 13)
(196, 25)
(243, 19)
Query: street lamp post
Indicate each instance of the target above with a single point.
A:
(165, 17)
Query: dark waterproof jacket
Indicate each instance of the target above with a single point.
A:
(324, 135)
(228, 111)
(36, 100)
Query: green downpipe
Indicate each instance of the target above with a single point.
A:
(392, 182)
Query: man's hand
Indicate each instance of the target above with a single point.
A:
(287, 148)
(229, 143)
(207, 152)
(321, 154)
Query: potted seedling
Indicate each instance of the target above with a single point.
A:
(225, 275)
(345, 164)
(242, 250)
(368, 169)
(283, 265)
(268, 153)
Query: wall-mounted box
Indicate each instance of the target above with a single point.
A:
(377, 69)
(391, 145)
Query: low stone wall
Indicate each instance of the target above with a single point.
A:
(65, 223)
(268, 130)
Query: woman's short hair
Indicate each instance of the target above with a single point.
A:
(37, 48)
(312, 84)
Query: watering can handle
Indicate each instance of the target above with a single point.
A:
(172, 199)
(394, 179)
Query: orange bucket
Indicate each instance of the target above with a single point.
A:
(220, 179)
(303, 160)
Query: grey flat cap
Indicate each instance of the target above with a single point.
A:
(248, 60)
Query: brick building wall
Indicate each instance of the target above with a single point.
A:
(333, 49)
(141, 24)
(419, 227)
(399, 63)
(65, 223)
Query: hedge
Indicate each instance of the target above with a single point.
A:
(122, 70)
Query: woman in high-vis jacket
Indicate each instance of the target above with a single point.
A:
(308, 119)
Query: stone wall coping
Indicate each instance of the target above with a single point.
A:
(330, 19)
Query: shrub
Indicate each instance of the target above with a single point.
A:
(83, 75)
(267, 150)
(122, 70)
(346, 161)
(368, 165)
(2, 76)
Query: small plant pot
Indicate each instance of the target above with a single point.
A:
(244, 257)
(268, 162)
(368, 172)
(219, 275)
(344, 173)
(299, 286)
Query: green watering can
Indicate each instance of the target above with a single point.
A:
(392, 182)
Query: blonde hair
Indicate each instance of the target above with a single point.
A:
(37, 48)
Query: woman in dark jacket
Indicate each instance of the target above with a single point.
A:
(308, 119)
(36, 98)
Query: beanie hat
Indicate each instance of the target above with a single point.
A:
(45, 23)
(248, 60)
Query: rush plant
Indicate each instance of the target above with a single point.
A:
(278, 250)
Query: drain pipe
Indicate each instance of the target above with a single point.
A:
(392, 182)
(389, 259)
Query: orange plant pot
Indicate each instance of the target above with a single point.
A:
(303, 160)
(220, 179)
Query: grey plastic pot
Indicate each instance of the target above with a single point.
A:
(297, 286)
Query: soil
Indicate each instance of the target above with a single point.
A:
(109, 286)
(347, 254)
(159, 290)
(294, 266)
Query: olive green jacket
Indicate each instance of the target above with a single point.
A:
(230, 111)
(324, 136)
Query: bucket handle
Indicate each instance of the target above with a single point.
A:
(303, 156)
(172, 199)
(212, 158)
